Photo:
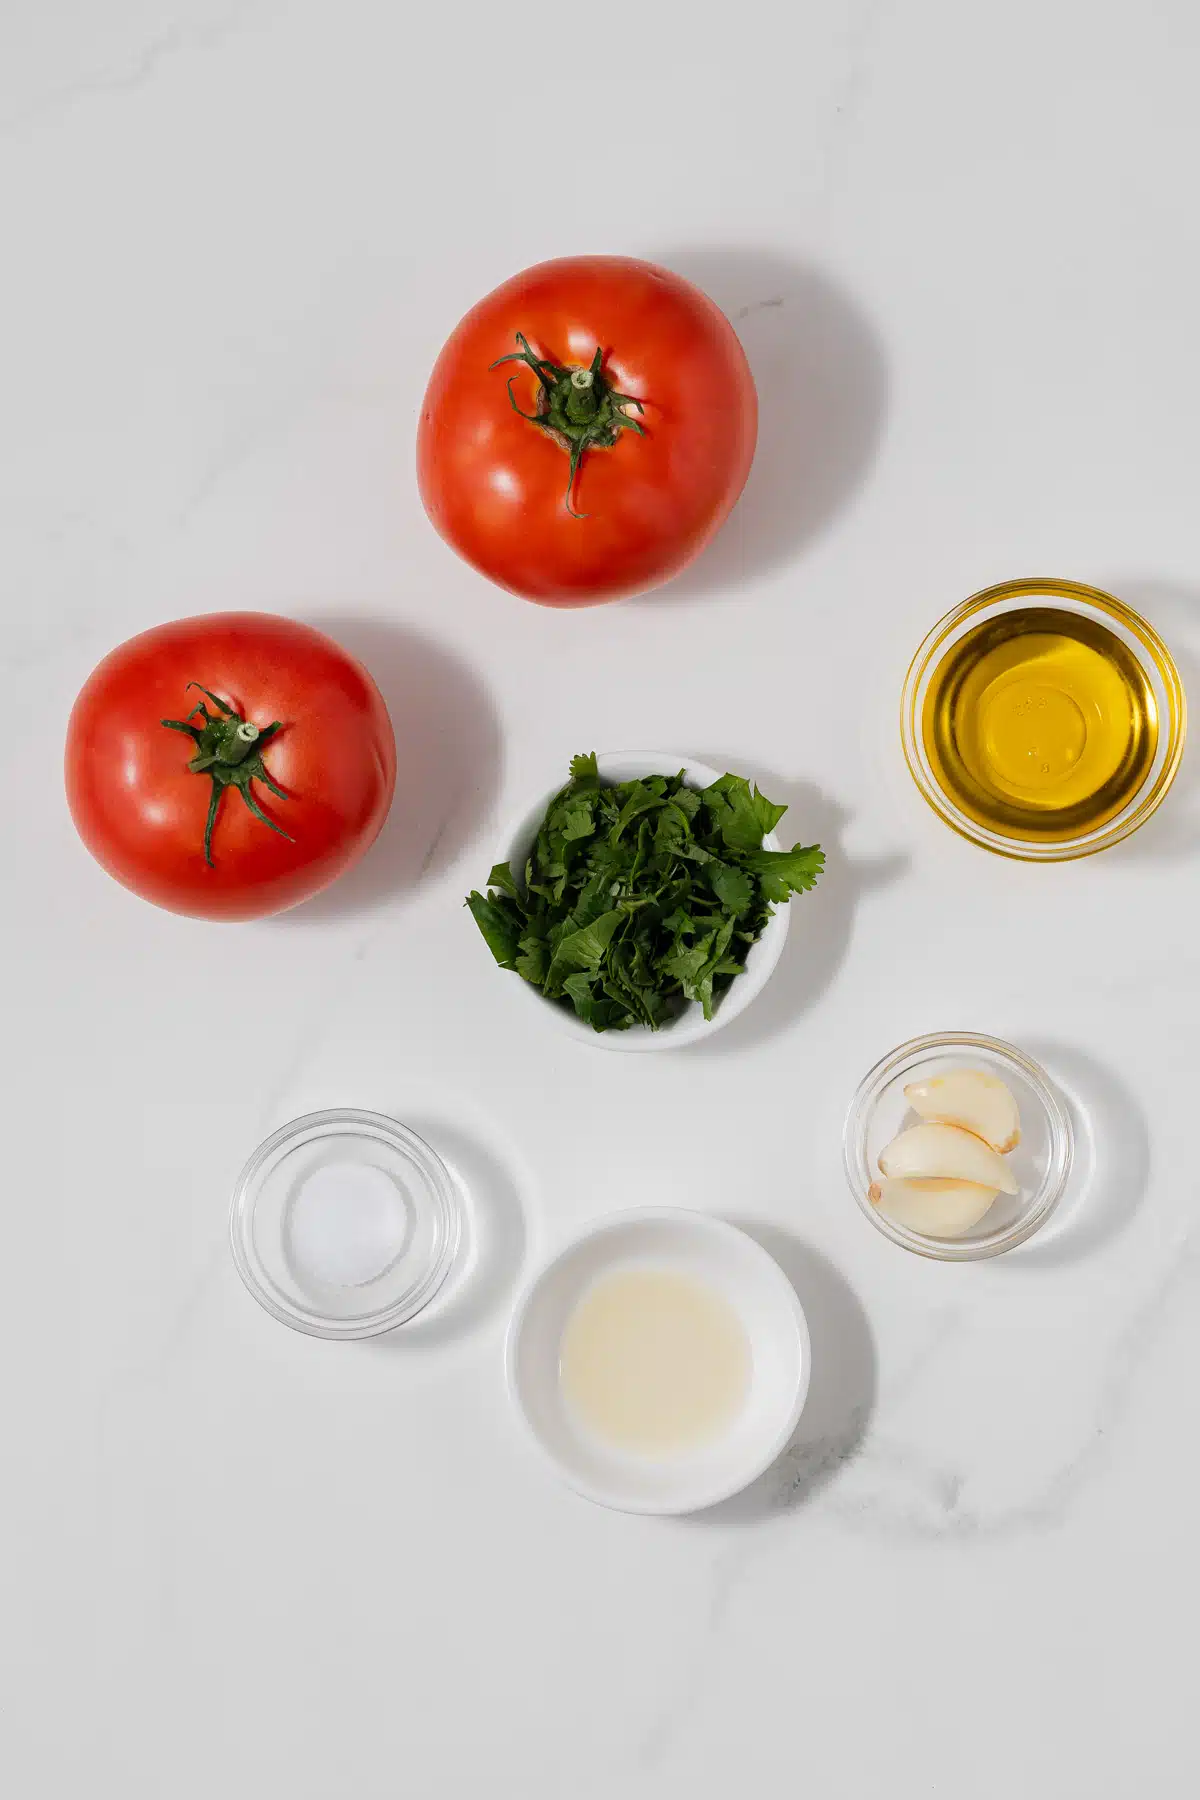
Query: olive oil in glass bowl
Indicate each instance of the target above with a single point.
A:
(1043, 719)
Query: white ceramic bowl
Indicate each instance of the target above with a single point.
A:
(690, 1025)
(746, 1277)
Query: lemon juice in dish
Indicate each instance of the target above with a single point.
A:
(654, 1362)
(1040, 724)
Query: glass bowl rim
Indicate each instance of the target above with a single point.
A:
(448, 1205)
(1152, 652)
(1062, 1146)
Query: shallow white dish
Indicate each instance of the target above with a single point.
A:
(746, 1277)
(690, 1025)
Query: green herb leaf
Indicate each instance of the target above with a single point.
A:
(583, 769)
(500, 929)
(585, 949)
(502, 877)
(641, 799)
(534, 959)
(642, 896)
(732, 887)
(596, 1010)
(575, 820)
(782, 873)
(767, 814)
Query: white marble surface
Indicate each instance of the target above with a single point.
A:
(960, 242)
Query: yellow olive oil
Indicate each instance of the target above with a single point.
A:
(1039, 724)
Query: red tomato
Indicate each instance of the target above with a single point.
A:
(325, 776)
(673, 417)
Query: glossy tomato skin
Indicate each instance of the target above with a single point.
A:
(141, 811)
(494, 485)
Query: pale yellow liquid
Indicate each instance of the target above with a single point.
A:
(654, 1362)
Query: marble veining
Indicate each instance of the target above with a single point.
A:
(204, 28)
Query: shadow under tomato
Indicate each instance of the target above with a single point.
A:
(821, 374)
(448, 763)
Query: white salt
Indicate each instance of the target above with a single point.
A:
(347, 1224)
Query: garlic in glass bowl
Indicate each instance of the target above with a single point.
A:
(1021, 1186)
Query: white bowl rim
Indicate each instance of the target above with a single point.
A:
(723, 1230)
(691, 1026)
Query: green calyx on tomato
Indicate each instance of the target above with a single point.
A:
(576, 406)
(229, 751)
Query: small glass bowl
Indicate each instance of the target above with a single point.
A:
(345, 1224)
(1041, 1161)
(1143, 642)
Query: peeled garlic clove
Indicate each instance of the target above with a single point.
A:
(947, 1153)
(973, 1099)
(942, 1209)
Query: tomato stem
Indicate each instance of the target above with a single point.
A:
(240, 742)
(228, 749)
(577, 407)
